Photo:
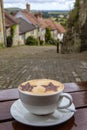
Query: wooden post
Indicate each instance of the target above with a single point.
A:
(4, 32)
(57, 47)
(60, 47)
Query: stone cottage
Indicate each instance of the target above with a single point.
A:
(43, 26)
(11, 23)
(26, 29)
(30, 18)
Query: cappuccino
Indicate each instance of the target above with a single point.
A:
(43, 96)
(41, 86)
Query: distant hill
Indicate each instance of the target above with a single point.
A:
(51, 11)
(45, 13)
(10, 10)
(54, 13)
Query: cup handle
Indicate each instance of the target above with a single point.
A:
(69, 97)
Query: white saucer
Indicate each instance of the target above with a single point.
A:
(20, 114)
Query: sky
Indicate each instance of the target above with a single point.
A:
(41, 4)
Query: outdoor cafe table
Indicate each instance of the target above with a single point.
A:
(77, 122)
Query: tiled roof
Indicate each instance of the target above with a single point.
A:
(42, 23)
(30, 17)
(54, 26)
(9, 19)
(60, 28)
(24, 26)
(50, 24)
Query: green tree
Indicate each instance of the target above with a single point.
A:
(74, 16)
(10, 38)
(48, 35)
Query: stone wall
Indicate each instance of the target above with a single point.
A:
(75, 39)
(83, 24)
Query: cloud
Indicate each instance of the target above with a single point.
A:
(13, 1)
(38, 1)
(50, 1)
(41, 4)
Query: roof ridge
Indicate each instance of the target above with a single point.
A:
(10, 17)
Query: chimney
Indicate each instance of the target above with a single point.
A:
(28, 7)
(38, 15)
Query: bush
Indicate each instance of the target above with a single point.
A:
(41, 42)
(1, 45)
(53, 41)
(9, 41)
(31, 41)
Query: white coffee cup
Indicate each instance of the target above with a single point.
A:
(43, 103)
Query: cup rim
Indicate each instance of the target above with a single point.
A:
(39, 95)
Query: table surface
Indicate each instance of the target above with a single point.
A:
(77, 122)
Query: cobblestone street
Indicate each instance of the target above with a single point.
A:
(19, 64)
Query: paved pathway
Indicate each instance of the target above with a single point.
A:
(19, 64)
